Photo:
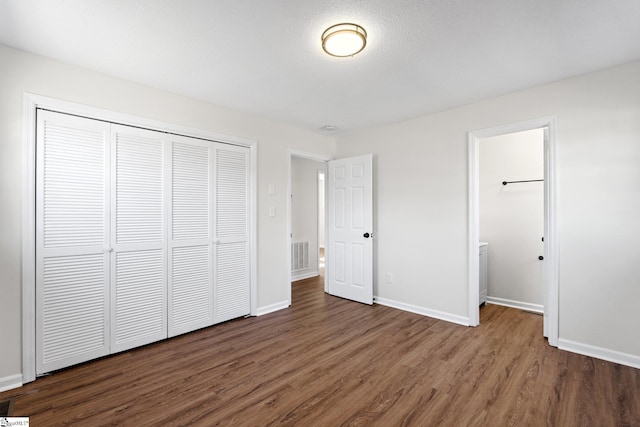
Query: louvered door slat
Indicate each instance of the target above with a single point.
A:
(190, 191)
(190, 260)
(232, 281)
(191, 289)
(71, 266)
(73, 184)
(139, 186)
(231, 268)
(138, 283)
(74, 308)
(140, 308)
(231, 192)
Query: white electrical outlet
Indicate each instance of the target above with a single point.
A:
(389, 278)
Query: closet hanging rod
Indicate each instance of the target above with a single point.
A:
(516, 182)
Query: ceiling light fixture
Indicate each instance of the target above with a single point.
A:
(344, 40)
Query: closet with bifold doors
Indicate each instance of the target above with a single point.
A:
(140, 235)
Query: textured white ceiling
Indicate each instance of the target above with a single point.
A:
(265, 57)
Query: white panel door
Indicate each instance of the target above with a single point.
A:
(350, 225)
(190, 243)
(138, 274)
(231, 249)
(72, 238)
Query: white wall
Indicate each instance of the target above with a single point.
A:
(421, 203)
(304, 210)
(512, 215)
(22, 72)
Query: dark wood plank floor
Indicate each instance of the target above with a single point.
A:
(331, 362)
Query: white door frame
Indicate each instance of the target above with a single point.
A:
(319, 158)
(322, 173)
(551, 234)
(31, 103)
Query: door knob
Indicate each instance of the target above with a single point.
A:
(540, 257)
(366, 235)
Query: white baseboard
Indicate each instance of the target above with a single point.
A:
(10, 382)
(272, 307)
(305, 275)
(600, 353)
(536, 308)
(423, 311)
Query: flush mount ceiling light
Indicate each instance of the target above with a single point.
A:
(344, 40)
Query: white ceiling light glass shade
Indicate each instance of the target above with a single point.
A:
(344, 40)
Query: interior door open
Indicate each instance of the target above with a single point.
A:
(350, 228)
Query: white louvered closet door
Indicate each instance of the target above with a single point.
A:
(140, 235)
(71, 240)
(138, 261)
(190, 243)
(231, 249)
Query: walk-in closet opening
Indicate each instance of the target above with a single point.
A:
(512, 221)
(511, 195)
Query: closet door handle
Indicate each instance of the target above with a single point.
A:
(540, 257)
(366, 235)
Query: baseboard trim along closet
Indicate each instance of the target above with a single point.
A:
(272, 307)
(600, 353)
(536, 308)
(453, 318)
(10, 382)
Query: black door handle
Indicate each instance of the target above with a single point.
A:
(366, 235)
(540, 257)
